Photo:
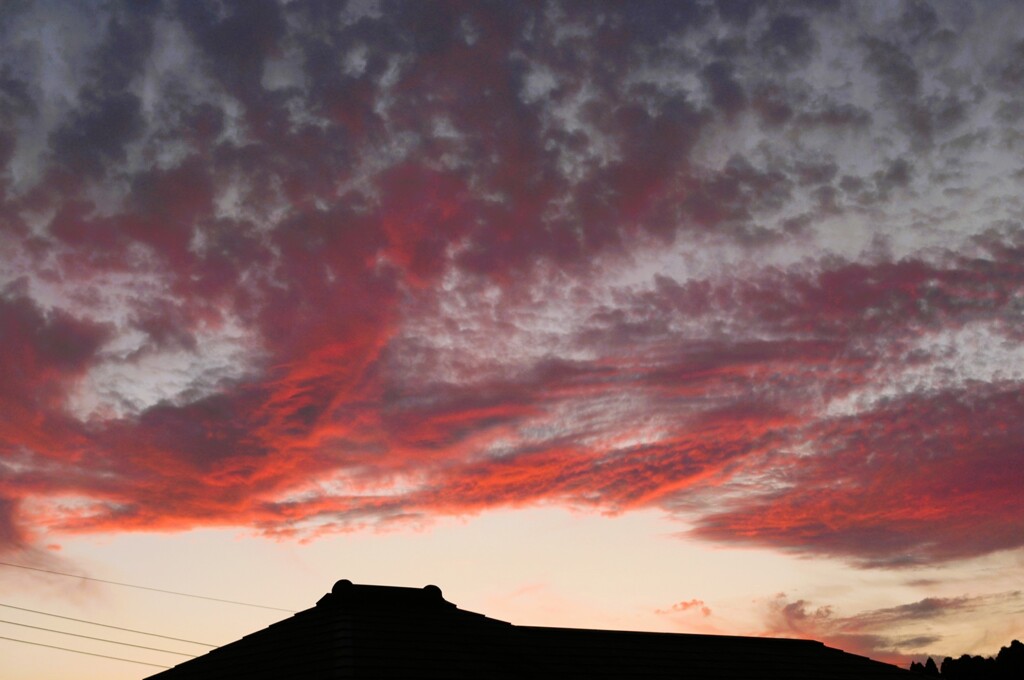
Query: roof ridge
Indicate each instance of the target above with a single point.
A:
(346, 594)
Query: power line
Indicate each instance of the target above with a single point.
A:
(78, 651)
(89, 637)
(155, 590)
(106, 625)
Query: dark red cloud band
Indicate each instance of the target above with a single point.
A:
(306, 268)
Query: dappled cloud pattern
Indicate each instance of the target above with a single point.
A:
(312, 267)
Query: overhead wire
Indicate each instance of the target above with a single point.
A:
(79, 651)
(156, 590)
(90, 637)
(105, 625)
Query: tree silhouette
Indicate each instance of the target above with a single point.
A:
(969, 667)
(1009, 663)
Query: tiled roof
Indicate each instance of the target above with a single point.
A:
(385, 633)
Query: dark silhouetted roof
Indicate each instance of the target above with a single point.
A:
(385, 633)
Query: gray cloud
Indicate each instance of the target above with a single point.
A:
(898, 633)
(621, 252)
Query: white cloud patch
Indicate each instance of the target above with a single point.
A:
(127, 378)
(939, 361)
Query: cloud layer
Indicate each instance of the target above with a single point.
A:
(307, 268)
(895, 634)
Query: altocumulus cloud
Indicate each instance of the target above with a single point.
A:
(309, 267)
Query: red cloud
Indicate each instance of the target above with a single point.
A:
(437, 253)
(684, 606)
(917, 479)
(324, 407)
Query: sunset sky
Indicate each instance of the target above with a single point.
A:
(682, 316)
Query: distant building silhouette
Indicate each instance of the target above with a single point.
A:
(390, 633)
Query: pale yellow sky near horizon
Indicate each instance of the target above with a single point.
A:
(542, 566)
